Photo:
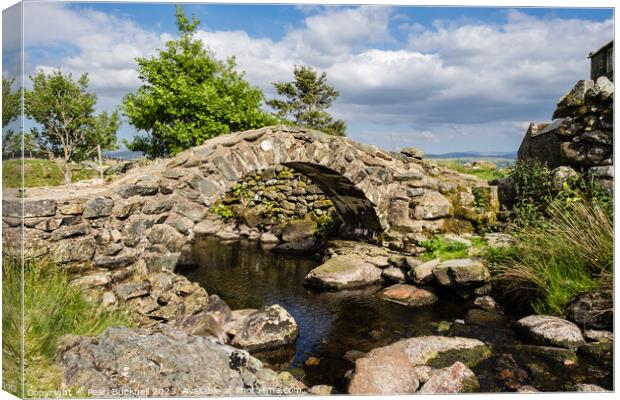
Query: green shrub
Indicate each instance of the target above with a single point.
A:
(222, 210)
(535, 191)
(569, 253)
(52, 308)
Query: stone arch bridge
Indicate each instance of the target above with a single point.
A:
(155, 211)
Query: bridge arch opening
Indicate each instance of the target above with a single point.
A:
(355, 210)
(294, 190)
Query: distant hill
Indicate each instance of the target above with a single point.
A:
(475, 154)
(124, 155)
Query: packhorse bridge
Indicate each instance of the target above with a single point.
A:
(155, 212)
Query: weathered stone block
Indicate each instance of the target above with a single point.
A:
(75, 250)
(98, 207)
(71, 207)
(31, 208)
(142, 186)
(157, 206)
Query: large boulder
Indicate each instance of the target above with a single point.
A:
(441, 351)
(396, 368)
(237, 319)
(456, 378)
(423, 273)
(461, 272)
(267, 329)
(550, 330)
(409, 295)
(344, 272)
(384, 372)
(169, 363)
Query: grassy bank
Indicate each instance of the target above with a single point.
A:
(486, 170)
(52, 308)
(571, 252)
(39, 172)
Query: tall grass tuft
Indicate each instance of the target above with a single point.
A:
(569, 253)
(52, 308)
(11, 326)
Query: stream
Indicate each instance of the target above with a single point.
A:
(332, 323)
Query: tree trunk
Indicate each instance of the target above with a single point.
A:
(99, 155)
(68, 172)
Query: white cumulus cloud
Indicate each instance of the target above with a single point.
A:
(453, 80)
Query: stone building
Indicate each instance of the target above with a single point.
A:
(602, 62)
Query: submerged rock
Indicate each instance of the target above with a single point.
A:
(550, 330)
(600, 351)
(409, 295)
(344, 272)
(169, 362)
(456, 378)
(557, 355)
(267, 329)
(508, 372)
(484, 318)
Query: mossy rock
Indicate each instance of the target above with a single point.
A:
(470, 357)
(601, 351)
(458, 226)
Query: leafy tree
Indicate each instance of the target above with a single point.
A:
(64, 109)
(11, 104)
(306, 99)
(10, 101)
(11, 143)
(188, 96)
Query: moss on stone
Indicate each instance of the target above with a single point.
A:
(470, 357)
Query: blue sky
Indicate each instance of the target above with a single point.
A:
(439, 78)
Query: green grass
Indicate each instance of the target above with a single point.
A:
(39, 172)
(52, 308)
(571, 252)
(439, 247)
(487, 173)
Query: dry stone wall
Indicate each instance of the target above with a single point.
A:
(154, 214)
(270, 198)
(581, 134)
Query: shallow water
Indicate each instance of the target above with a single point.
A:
(332, 323)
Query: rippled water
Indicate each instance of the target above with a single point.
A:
(331, 323)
